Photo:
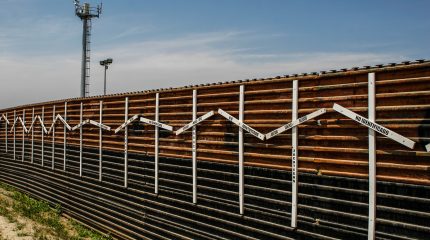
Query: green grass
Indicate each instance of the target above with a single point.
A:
(48, 218)
(84, 232)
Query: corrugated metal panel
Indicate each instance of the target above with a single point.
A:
(329, 207)
(333, 159)
(333, 145)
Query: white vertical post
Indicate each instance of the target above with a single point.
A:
(126, 145)
(294, 155)
(53, 137)
(100, 142)
(5, 127)
(43, 135)
(241, 150)
(32, 137)
(157, 102)
(194, 147)
(80, 139)
(14, 133)
(65, 138)
(23, 135)
(372, 158)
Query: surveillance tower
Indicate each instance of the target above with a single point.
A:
(85, 13)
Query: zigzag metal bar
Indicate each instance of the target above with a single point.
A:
(32, 123)
(22, 124)
(155, 123)
(58, 117)
(372, 125)
(100, 125)
(195, 122)
(294, 123)
(80, 124)
(126, 123)
(5, 118)
(88, 121)
(13, 125)
(242, 125)
(52, 126)
(41, 124)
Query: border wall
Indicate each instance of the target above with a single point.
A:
(145, 181)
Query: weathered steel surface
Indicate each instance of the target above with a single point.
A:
(331, 144)
(329, 207)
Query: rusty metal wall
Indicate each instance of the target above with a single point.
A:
(329, 207)
(333, 159)
(334, 145)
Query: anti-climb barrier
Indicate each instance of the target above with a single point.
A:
(318, 120)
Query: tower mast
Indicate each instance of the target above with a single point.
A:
(85, 12)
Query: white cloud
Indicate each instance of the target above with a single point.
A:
(199, 59)
(193, 59)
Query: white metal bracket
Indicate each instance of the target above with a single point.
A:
(81, 124)
(374, 126)
(41, 124)
(126, 123)
(91, 122)
(428, 147)
(195, 122)
(59, 117)
(157, 124)
(5, 118)
(295, 123)
(100, 125)
(22, 124)
(241, 124)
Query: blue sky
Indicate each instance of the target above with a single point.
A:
(158, 44)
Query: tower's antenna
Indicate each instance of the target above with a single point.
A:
(85, 13)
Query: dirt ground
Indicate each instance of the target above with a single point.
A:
(13, 227)
(9, 231)
(25, 218)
